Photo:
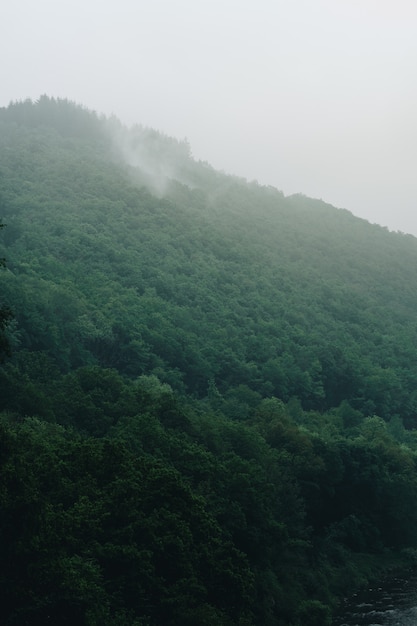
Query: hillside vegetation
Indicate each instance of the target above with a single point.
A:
(208, 415)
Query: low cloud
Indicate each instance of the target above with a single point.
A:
(154, 158)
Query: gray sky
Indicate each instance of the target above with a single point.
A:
(311, 96)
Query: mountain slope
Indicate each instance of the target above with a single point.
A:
(202, 421)
(225, 280)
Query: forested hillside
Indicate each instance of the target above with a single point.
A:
(208, 391)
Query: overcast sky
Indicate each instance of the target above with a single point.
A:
(311, 96)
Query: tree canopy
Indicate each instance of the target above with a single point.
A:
(208, 413)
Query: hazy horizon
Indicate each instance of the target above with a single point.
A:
(313, 98)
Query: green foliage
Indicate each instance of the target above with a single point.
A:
(314, 613)
(89, 530)
(208, 416)
(293, 299)
(5, 318)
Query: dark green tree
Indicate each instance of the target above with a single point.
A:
(5, 317)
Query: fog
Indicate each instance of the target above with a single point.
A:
(312, 97)
(154, 158)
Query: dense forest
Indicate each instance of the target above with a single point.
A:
(208, 390)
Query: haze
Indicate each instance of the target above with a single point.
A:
(313, 97)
